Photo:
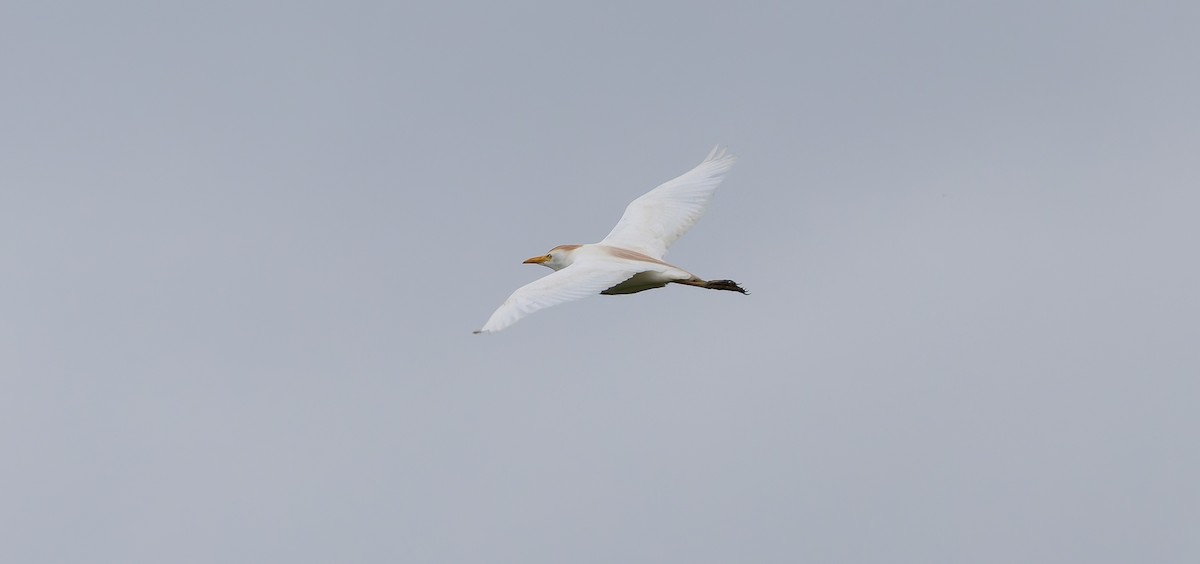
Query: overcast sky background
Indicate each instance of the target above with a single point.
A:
(244, 245)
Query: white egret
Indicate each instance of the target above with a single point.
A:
(630, 258)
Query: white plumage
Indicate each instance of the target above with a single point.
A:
(661, 216)
(629, 259)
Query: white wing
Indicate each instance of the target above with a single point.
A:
(574, 282)
(659, 217)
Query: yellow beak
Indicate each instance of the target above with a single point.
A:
(537, 260)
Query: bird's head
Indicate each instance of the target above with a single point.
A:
(558, 258)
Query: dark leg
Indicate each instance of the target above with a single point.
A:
(714, 284)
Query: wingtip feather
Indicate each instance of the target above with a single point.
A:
(719, 153)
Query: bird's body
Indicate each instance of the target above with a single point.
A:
(630, 258)
(648, 273)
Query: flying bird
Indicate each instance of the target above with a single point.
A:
(630, 258)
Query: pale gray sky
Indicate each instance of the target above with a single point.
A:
(244, 245)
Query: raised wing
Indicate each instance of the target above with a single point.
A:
(574, 282)
(659, 217)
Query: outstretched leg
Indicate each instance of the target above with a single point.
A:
(714, 284)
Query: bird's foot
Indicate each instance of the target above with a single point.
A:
(725, 285)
